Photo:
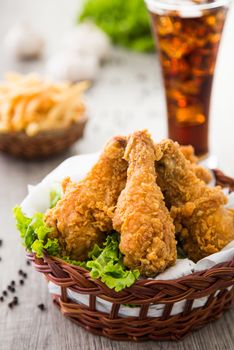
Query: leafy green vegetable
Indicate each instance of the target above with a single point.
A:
(126, 22)
(131, 305)
(180, 253)
(55, 195)
(104, 262)
(34, 233)
(74, 262)
(50, 245)
(107, 264)
(22, 222)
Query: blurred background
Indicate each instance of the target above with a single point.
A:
(127, 91)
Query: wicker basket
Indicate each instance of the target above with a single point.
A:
(215, 284)
(43, 144)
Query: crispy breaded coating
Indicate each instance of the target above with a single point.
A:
(188, 152)
(201, 172)
(202, 222)
(147, 231)
(84, 215)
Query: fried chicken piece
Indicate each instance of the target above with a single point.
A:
(188, 152)
(202, 223)
(201, 172)
(84, 214)
(147, 231)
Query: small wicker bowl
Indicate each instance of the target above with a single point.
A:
(216, 285)
(42, 145)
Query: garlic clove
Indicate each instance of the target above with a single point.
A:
(73, 67)
(87, 38)
(22, 42)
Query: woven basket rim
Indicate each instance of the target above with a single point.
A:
(143, 281)
(142, 292)
(84, 119)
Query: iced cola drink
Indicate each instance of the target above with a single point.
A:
(188, 34)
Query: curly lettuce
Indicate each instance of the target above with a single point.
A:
(107, 264)
(126, 22)
(55, 195)
(34, 233)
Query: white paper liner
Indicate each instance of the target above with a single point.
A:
(77, 167)
(155, 310)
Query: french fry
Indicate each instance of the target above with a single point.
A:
(30, 104)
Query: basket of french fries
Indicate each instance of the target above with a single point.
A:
(137, 242)
(39, 118)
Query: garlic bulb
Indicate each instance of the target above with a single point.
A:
(72, 67)
(88, 39)
(21, 42)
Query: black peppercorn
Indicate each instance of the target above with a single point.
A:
(41, 307)
(10, 305)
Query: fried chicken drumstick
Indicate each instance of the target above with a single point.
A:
(147, 231)
(202, 222)
(84, 214)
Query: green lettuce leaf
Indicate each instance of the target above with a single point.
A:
(55, 195)
(74, 262)
(37, 247)
(22, 222)
(34, 233)
(126, 22)
(181, 253)
(107, 264)
(50, 245)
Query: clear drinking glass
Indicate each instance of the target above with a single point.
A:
(188, 34)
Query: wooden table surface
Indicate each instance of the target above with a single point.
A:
(127, 96)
